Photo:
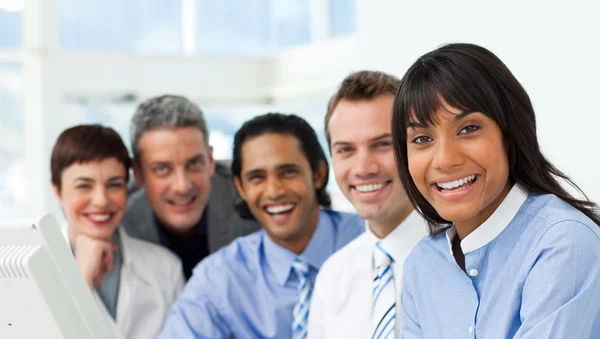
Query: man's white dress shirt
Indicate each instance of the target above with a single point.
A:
(342, 297)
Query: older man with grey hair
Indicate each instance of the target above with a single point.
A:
(186, 203)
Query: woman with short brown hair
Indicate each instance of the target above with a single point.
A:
(136, 281)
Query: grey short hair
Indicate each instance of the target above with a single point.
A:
(166, 111)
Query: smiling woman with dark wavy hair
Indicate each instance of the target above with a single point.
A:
(517, 256)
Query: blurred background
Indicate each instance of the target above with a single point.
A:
(65, 62)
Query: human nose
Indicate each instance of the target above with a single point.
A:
(365, 166)
(181, 184)
(275, 189)
(447, 154)
(100, 197)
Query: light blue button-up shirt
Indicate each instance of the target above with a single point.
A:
(532, 271)
(247, 289)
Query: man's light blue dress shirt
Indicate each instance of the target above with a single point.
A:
(247, 289)
(532, 271)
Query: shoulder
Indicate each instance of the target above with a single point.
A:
(347, 225)
(222, 169)
(549, 218)
(239, 257)
(344, 259)
(151, 253)
(138, 218)
(429, 248)
(137, 203)
(345, 272)
(551, 209)
(157, 265)
(222, 176)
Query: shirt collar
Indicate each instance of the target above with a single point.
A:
(494, 225)
(319, 248)
(403, 238)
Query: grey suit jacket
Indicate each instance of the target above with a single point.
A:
(223, 225)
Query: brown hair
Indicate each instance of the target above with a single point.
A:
(362, 85)
(85, 143)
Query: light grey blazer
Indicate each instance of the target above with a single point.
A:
(223, 224)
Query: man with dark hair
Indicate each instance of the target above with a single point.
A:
(187, 201)
(360, 284)
(260, 285)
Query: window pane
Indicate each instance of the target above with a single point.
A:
(13, 183)
(131, 26)
(10, 24)
(291, 23)
(224, 27)
(116, 115)
(343, 17)
(233, 26)
(251, 27)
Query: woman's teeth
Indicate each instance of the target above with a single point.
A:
(99, 217)
(456, 183)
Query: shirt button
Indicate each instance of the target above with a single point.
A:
(473, 272)
(470, 329)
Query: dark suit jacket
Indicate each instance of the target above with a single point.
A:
(223, 224)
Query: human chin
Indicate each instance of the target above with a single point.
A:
(283, 226)
(287, 232)
(183, 221)
(367, 211)
(457, 212)
(183, 212)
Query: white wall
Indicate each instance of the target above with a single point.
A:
(552, 47)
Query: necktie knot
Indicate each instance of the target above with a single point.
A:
(301, 269)
(381, 258)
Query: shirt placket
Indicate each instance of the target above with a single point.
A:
(472, 268)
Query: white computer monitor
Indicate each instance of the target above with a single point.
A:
(42, 292)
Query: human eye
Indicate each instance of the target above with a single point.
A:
(116, 185)
(383, 144)
(255, 179)
(160, 170)
(83, 187)
(289, 172)
(196, 164)
(420, 140)
(343, 150)
(469, 129)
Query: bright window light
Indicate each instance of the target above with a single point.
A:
(12, 5)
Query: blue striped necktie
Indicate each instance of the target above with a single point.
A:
(383, 319)
(300, 324)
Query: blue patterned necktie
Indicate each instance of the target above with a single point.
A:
(300, 324)
(383, 320)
